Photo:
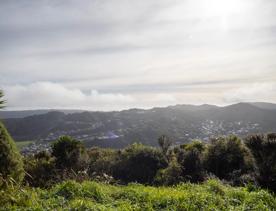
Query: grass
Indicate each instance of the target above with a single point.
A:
(21, 144)
(70, 195)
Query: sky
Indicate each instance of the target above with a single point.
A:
(119, 54)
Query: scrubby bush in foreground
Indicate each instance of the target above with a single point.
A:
(68, 160)
(40, 170)
(138, 163)
(227, 155)
(226, 158)
(190, 157)
(263, 147)
(11, 164)
(69, 153)
(171, 175)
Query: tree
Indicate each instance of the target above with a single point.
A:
(170, 175)
(69, 153)
(263, 148)
(2, 102)
(190, 157)
(101, 160)
(11, 164)
(165, 143)
(40, 170)
(226, 155)
(138, 163)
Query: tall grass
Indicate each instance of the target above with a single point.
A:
(70, 195)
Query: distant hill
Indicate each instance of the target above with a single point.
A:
(118, 129)
(263, 105)
(25, 113)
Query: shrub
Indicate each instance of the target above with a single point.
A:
(165, 143)
(11, 164)
(190, 157)
(40, 170)
(138, 163)
(170, 175)
(2, 102)
(263, 148)
(226, 155)
(101, 161)
(69, 153)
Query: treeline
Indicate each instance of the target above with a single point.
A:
(238, 162)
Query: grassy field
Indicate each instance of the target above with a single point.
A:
(212, 195)
(21, 144)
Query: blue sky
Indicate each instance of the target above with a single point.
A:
(118, 54)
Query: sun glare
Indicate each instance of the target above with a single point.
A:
(223, 7)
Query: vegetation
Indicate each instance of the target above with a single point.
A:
(40, 170)
(226, 156)
(190, 157)
(68, 153)
(2, 102)
(76, 178)
(11, 164)
(138, 163)
(71, 177)
(263, 147)
(70, 195)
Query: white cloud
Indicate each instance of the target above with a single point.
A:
(182, 50)
(252, 92)
(45, 95)
(54, 95)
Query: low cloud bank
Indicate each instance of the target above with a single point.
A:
(44, 95)
(252, 93)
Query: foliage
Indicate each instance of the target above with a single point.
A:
(263, 147)
(226, 155)
(11, 164)
(171, 175)
(70, 195)
(2, 102)
(69, 153)
(40, 170)
(138, 163)
(101, 161)
(165, 143)
(190, 158)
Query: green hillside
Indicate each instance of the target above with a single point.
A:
(70, 195)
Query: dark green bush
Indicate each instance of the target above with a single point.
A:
(226, 155)
(40, 170)
(11, 164)
(138, 163)
(263, 148)
(101, 161)
(69, 153)
(190, 157)
(165, 143)
(171, 175)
